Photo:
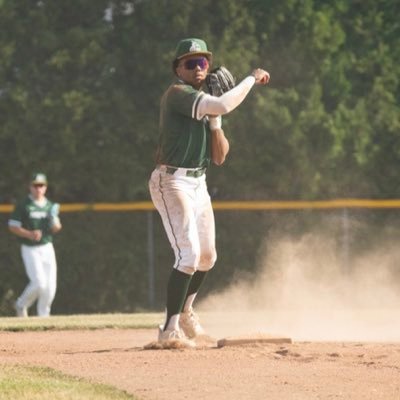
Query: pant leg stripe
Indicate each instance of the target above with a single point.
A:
(170, 224)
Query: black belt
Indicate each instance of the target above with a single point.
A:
(193, 173)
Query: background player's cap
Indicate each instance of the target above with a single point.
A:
(192, 46)
(39, 178)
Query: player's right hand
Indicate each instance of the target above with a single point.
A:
(262, 77)
(36, 235)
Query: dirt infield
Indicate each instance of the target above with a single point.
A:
(301, 370)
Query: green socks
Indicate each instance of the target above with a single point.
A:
(181, 291)
(177, 288)
(194, 286)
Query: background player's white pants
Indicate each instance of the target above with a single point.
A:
(185, 208)
(41, 268)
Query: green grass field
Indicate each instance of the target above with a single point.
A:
(92, 321)
(33, 383)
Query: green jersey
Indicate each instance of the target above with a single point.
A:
(184, 140)
(30, 215)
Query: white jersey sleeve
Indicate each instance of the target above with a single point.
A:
(211, 105)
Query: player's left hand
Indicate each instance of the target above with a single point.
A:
(219, 81)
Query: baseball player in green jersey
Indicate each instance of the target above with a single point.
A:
(191, 137)
(34, 220)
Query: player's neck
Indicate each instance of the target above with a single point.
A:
(40, 199)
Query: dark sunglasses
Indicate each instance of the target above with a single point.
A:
(201, 62)
(38, 185)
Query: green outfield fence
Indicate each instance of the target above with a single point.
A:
(342, 205)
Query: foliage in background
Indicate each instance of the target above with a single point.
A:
(80, 84)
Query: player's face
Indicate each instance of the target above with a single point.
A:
(193, 70)
(38, 190)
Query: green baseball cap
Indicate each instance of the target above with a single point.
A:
(39, 178)
(192, 46)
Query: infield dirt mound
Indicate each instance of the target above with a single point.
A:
(301, 370)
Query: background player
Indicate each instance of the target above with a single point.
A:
(190, 138)
(35, 220)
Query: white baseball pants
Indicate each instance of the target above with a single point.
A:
(186, 211)
(41, 268)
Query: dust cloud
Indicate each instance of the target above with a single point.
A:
(310, 288)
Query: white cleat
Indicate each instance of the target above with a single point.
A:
(173, 339)
(20, 311)
(190, 324)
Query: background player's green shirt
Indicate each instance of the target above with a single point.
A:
(31, 216)
(184, 141)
